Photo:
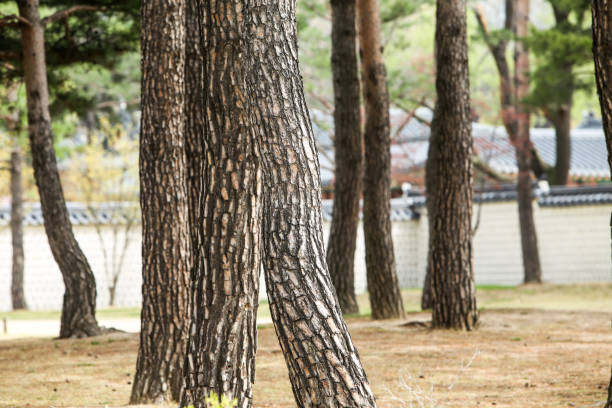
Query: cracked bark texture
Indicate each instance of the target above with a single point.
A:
(348, 154)
(383, 286)
(222, 344)
(17, 294)
(79, 303)
(602, 54)
(324, 367)
(166, 250)
(194, 123)
(449, 178)
(523, 146)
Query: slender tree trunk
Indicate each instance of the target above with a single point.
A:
(561, 117)
(348, 154)
(79, 306)
(522, 143)
(431, 178)
(516, 122)
(383, 286)
(166, 245)
(426, 295)
(602, 53)
(324, 367)
(111, 294)
(17, 295)
(221, 351)
(449, 186)
(563, 157)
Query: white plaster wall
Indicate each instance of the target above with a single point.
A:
(43, 283)
(575, 243)
(497, 244)
(574, 247)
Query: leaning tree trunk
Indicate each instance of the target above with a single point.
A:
(17, 295)
(383, 286)
(602, 53)
(79, 306)
(449, 188)
(222, 344)
(563, 155)
(348, 155)
(324, 367)
(522, 144)
(166, 249)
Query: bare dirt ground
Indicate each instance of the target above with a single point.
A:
(518, 357)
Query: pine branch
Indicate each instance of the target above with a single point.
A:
(5, 56)
(13, 20)
(60, 15)
(484, 168)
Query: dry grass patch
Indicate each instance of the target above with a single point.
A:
(520, 357)
(526, 358)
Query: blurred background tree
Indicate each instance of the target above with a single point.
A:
(563, 66)
(38, 42)
(103, 175)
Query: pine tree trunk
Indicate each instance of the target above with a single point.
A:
(17, 294)
(78, 310)
(449, 186)
(427, 295)
(609, 401)
(166, 249)
(324, 367)
(383, 286)
(602, 53)
(563, 157)
(561, 116)
(348, 155)
(195, 122)
(516, 122)
(431, 180)
(221, 354)
(522, 143)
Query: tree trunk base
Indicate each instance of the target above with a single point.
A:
(78, 324)
(349, 306)
(609, 402)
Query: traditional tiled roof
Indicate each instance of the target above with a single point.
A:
(411, 142)
(571, 196)
(404, 209)
(589, 154)
(80, 214)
